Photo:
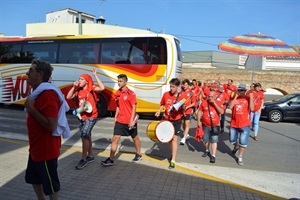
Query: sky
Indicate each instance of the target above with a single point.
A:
(199, 24)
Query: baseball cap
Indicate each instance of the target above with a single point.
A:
(242, 86)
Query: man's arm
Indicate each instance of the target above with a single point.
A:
(49, 123)
(100, 86)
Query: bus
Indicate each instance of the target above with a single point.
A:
(150, 61)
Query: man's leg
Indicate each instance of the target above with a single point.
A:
(38, 189)
(206, 139)
(54, 196)
(233, 136)
(256, 124)
(173, 147)
(222, 122)
(90, 149)
(137, 144)
(243, 140)
(252, 115)
(186, 129)
(114, 146)
(85, 147)
(214, 148)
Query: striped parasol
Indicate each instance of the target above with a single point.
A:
(259, 45)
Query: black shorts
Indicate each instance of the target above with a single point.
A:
(177, 126)
(187, 117)
(123, 130)
(86, 127)
(45, 173)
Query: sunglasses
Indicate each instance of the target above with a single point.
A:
(241, 90)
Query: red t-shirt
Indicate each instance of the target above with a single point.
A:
(85, 95)
(168, 100)
(240, 116)
(206, 91)
(258, 98)
(125, 101)
(42, 145)
(222, 97)
(196, 92)
(191, 98)
(229, 89)
(215, 115)
(196, 89)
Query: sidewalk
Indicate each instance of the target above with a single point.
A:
(148, 179)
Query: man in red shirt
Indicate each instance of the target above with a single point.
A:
(84, 90)
(42, 120)
(174, 116)
(258, 104)
(209, 118)
(125, 120)
(241, 106)
(223, 97)
(229, 87)
(187, 94)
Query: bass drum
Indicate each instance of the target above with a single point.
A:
(160, 131)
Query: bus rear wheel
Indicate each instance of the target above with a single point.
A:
(102, 106)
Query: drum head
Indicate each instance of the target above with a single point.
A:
(165, 131)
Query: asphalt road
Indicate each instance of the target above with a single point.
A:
(277, 149)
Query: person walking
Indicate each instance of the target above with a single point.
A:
(84, 91)
(167, 101)
(42, 114)
(241, 106)
(125, 120)
(255, 114)
(188, 106)
(223, 97)
(209, 119)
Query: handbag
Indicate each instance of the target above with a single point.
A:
(199, 133)
(214, 130)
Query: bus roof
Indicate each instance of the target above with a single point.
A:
(58, 37)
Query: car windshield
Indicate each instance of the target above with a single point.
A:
(284, 98)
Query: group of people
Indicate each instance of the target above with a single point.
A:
(245, 104)
(46, 120)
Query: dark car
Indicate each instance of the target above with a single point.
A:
(284, 108)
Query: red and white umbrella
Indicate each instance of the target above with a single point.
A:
(258, 45)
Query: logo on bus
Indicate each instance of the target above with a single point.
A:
(15, 90)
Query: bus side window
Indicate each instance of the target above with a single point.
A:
(154, 59)
(137, 59)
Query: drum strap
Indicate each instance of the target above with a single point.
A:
(171, 111)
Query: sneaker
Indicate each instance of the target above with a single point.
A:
(234, 150)
(205, 154)
(172, 164)
(107, 162)
(255, 138)
(212, 159)
(188, 137)
(90, 159)
(182, 141)
(222, 130)
(137, 158)
(240, 161)
(81, 164)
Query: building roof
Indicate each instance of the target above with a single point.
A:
(74, 11)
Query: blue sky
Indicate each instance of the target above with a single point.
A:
(199, 24)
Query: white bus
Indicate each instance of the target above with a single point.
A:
(149, 61)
